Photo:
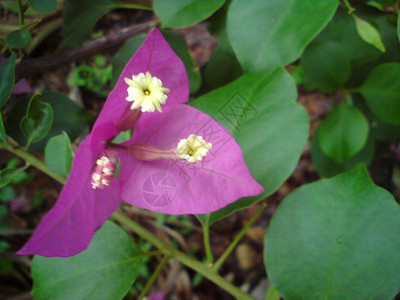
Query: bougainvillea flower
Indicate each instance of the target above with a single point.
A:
(69, 226)
(179, 160)
(207, 173)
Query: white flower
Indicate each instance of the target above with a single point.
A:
(193, 149)
(147, 92)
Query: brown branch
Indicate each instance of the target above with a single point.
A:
(32, 66)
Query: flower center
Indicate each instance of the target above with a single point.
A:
(193, 149)
(146, 92)
(103, 172)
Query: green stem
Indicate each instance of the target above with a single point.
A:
(232, 246)
(32, 160)
(133, 6)
(197, 266)
(350, 8)
(153, 277)
(20, 13)
(206, 238)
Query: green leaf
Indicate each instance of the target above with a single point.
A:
(327, 167)
(38, 120)
(369, 33)
(2, 130)
(7, 175)
(79, 18)
(181, 49)
(381, 91)
(398, 26)
(217, 26)
(180, 14)
(44, 6)
(124, 54)
(19, 39)
(343, 132)
(271, 129)
(270, 34)
(222, 68)
(7, 77)
(68, 116)
(106, 270)
(335, 239)
(6, 194)
(326, 65)
(58, 154)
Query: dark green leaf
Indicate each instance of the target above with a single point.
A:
(7, 193)
(2, 130)
(68, 116)
(7, 175)
(181, 49)
(221, 69)
(381, 90)
(343, 133)
(7, 77)
(217, 26)
(6, 266)
(38, 120)
(124, 54)
(269, 34)
(271, 129)
(59, 154)
(180, 14)
(369, 33)
(335, 239)
(106, 270)
(326, 65)
(398, 26)
(79, 18)
(327, 167)
(44, 6)
(18, 39)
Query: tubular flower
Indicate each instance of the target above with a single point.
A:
(180, 161)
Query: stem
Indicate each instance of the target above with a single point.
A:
(232, 246)
(133, 6)
(206, 238)
(154, 276)
(199, 267)
(32, 160)
(20, 13)
(350, 8)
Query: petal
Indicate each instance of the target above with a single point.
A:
(154, 56)
(69, 226)
(182, 187)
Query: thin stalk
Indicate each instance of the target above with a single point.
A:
(350, 8)
(154, 276)
(232, 246)
(133, 6)
(20, 13)
(197, 266)
(32, 160)
(207, 244)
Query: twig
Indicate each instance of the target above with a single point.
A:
(32, 66)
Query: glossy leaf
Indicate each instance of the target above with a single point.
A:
(270, 34)
(44, 6)
(59, 154)
(68, 116)
(369, 33)
(2, 130)
(37, 121)
(7, 78)
(326, 65)
(221, 69)
(19, 39)
(180, 14)
(271, 129)
(79, 18)
(335, 239)
(106, 270)
(381, 90)
(343, 133)
(327, 167)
